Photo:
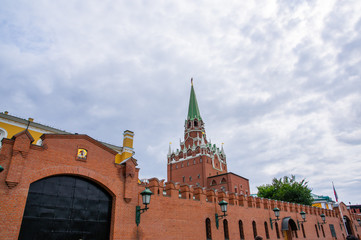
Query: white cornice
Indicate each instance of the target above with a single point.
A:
(35, 129)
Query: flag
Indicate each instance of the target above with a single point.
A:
(334, 191)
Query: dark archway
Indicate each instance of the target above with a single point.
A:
(348, 225)
(290, 227)
(66, 207)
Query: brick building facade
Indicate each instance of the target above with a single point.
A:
(77, 189)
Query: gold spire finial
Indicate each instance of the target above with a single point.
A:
(192, 81)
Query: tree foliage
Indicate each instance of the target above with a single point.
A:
(287, 189)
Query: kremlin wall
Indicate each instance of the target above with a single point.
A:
(59, 185)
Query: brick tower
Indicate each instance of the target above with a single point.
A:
(196, 159)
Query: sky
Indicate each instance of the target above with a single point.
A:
(278, 82)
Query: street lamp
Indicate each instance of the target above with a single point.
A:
(303, 216)
(323, 217)
(277, 214)
(223, 204)
(146, 200)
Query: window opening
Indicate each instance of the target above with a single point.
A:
(241, 231)
(266, 230)
(208, 229)
(254, 229)
(277, 230)
(317, 231)
(225, 228)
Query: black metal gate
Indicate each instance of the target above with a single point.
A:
(66, 207)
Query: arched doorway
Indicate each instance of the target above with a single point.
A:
(289, 228)
(66, 207)
(348, 225)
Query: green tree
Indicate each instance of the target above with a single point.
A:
(287, 189)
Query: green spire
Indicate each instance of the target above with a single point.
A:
(193, 110)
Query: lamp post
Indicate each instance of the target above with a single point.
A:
(303, 216)
(323, 217)
(277, 214)
(223, 204)
(146, 200)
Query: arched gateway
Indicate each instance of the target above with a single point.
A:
(66, 207)
(289, 228)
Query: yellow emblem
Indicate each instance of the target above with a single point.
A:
(82, 153)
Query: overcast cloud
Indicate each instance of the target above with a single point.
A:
(278, 82)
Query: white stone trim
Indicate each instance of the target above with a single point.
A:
(35, 129)
(4, 135)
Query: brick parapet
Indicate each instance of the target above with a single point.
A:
(188, 192)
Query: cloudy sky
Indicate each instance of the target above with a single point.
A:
(278, 82)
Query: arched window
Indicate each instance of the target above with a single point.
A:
(303, 231)
(317, 231)
(323, 232)
(213, 183)
(225, 229)
(277, 230)
(223, 180)
(189, 152)
(266, 230)
(208, 229)
(241, 231)
(254, 229)
(3, 134)
(195, 123)
(39, 142)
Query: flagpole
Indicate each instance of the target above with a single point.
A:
(339, 207)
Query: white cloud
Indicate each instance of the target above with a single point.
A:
(276, 81)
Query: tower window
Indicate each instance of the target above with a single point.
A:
(199, 176)
(194, 161)
(184, 178)
(196, 123)
(190, 178)
(187, 163)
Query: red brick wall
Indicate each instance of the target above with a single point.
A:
(58, 156)
(179, 214)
